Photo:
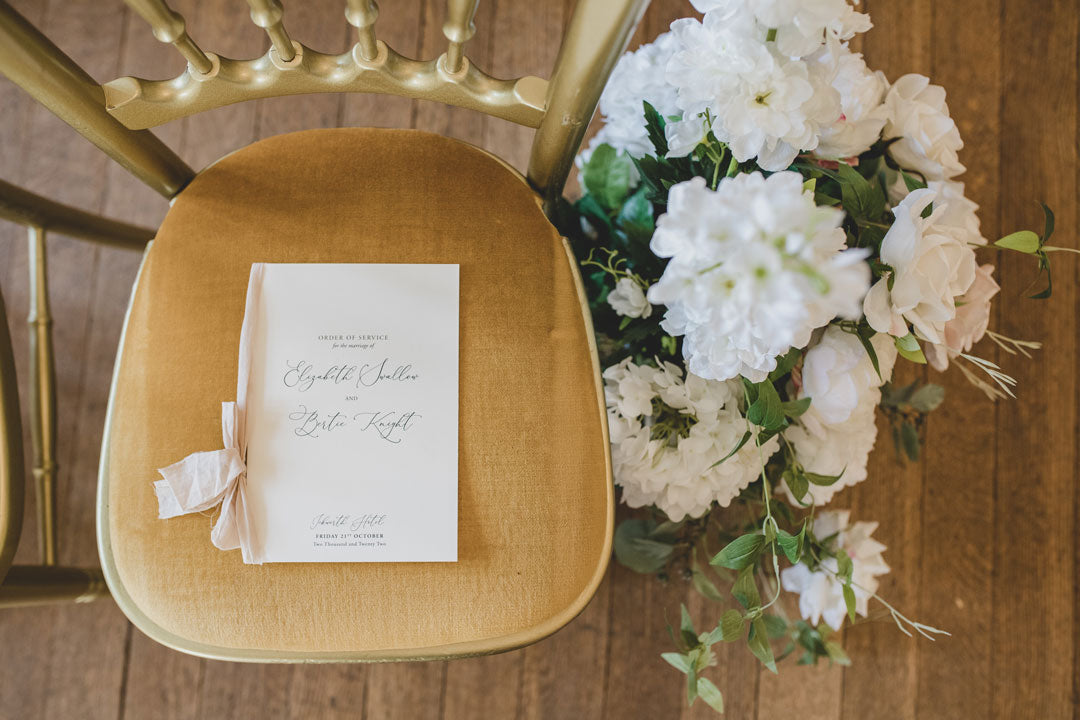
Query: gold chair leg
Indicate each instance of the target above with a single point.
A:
(27, 585)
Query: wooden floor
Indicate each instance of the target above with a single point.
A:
(982, 536)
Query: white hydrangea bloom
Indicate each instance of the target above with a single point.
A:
(767, 99)
(821, 595)
(638, 76)
(628, 299)
(801, 25)
(755, 267)
(836, 434)
(929, 140)
(932, 263)
(863, 112)
(676, 473)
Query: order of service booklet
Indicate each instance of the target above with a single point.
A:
(352, 413)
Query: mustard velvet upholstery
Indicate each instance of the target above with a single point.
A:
(534, 474)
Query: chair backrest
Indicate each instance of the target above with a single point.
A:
(116, 115)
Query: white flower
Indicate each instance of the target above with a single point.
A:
(929, 140)
(970, 323)
(801, 25)
(931, 265)
(821, 594)
(836, 434)
(628, 299)
(755, 267)
(639, 76)
(863, 113)
(767, 100)
(677, 472)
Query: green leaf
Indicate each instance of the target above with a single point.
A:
(607, 176)
(742, 441)
(1048, 228)
(775, 626)
(740, 552)
(927, 398)
(836, 653)
(844, 566)
(823, 480)
(731, 625)
(686, 627)
(710, 694)
(678, 661)
(863, 200)
(633, 550)
(864, 333)
(691, 685)
(758, 642)
(795, 408)
(706, 587)
(849, 602)
(911, 182)
(789, 544)
(764, 408)
(745, 589)
(908, 347)
(1024, 241)
(635, 218)
(654, 125)
(797, 483)
(909, 440)
(669, 344)
(784, 364)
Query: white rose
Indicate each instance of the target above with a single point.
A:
(970, 323)
(931, 266)
(929, 139)
(628, 299)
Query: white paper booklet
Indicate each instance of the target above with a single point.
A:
(352, 413)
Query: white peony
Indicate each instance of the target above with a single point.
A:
(639, 76)
(836, 434)
(932, 263)
(970, 323)
(863, 113)
(821, 594)
(628, 299)
(928, 138)
(677, 472)
(755, 267)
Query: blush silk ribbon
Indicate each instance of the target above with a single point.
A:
(203, 479)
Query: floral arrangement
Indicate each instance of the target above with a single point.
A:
(768, 227)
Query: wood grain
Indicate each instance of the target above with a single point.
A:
(981, 534)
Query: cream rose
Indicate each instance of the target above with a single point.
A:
(931, 264)
(628, 299)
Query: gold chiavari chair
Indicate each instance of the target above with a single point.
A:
(536, 502)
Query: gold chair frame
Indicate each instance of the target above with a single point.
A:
(115, 116)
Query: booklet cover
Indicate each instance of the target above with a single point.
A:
(352, 413)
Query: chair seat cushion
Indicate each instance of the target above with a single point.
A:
(535, 496)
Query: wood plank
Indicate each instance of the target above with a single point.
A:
(883, 680)
(65, 167)
(1033, 668)
(405, 690)
(400, 26)
(564, 674)
(954, 673)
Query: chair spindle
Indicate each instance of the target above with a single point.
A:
(362, 14)
(169, 27)
(458, 29)
(267, 14)
(42, 395)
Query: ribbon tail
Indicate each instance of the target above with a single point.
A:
(234, 528)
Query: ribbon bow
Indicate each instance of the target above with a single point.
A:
(203, 479)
